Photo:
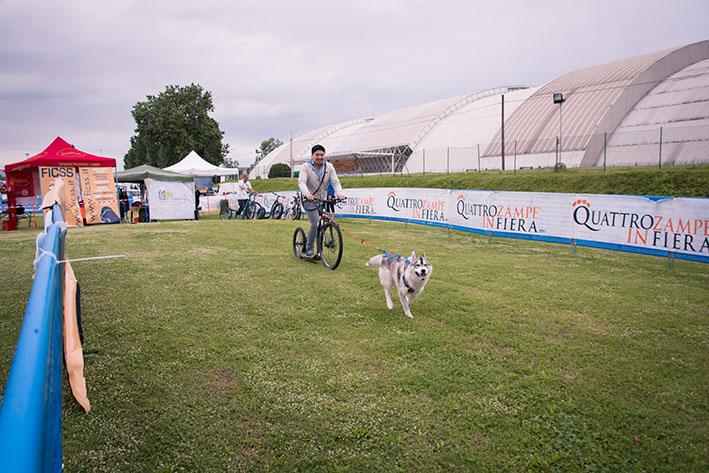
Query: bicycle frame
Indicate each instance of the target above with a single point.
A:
(324, 215)
(328, 236)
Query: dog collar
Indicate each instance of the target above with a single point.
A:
(411, 289)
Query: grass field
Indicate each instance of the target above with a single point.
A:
(210, 348)
(676, 181)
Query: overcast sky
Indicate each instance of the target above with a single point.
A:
(76, 68)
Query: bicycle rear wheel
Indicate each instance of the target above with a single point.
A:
(330, 245)
(299, 242)
(260, 213)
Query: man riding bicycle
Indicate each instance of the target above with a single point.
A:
(315, 176)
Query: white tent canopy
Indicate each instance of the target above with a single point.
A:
(194, 165)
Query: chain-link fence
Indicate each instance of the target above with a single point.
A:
(641, 146)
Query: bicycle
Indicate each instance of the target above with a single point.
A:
(229, 213)
(254, 209)
(277, 209)
(329, 238)
(295, 211)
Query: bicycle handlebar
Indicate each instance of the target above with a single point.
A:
(336, 200)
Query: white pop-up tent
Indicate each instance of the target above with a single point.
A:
(170, 195)
(194, 165)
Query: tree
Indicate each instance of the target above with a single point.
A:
(230, 163)
(173, 123)
(266, 147)
(279, 170)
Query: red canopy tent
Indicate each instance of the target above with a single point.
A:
(22, 177)
(61, 153)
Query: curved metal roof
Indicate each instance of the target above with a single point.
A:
(598, 99)
(397, 128)
(330, 136)
(476, 121)
(680, 105)
(588, 92)
(411, 126)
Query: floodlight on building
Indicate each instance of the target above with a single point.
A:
(560, 99)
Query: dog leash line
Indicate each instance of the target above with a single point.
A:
(362, 241)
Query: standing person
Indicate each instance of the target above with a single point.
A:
(123, 201)
(197, 195)
(330, 205)
(242, 194)
(315, 176)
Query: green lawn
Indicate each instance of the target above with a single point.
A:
(677, 181)
(210, 348)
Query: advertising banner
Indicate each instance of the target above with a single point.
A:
(47, 176)
(170, 200)
(649, 225)
(98, 190)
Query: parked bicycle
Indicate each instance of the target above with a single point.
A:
(254, 209)
(329, 237)
(295, 211)
(277, 209)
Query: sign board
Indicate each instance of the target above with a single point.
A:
(47, 177)
(170, 200)
(99, 192)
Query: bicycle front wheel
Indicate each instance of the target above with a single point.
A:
(250, 210)
(299, 242)
(330, 245)
(276, 211)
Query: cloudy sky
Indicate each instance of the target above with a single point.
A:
(76, 68)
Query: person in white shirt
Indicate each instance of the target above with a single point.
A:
(242, 194)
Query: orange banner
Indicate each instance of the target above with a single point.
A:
(99, 191)
(48, 175)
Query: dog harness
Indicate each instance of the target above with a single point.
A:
(407, 262)
(411, 289)
(390, 257)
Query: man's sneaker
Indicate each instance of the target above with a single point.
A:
(308, 255)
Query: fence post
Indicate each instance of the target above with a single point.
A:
(659, 162)
(448, 160)
(424, 160)
(605, 148)
(502, 116)
(514, 168)
(556, 156)
(31, 414)
(478, 157)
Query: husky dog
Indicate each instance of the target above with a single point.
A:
(408, 275)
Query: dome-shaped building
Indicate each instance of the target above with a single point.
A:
(638, 111)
